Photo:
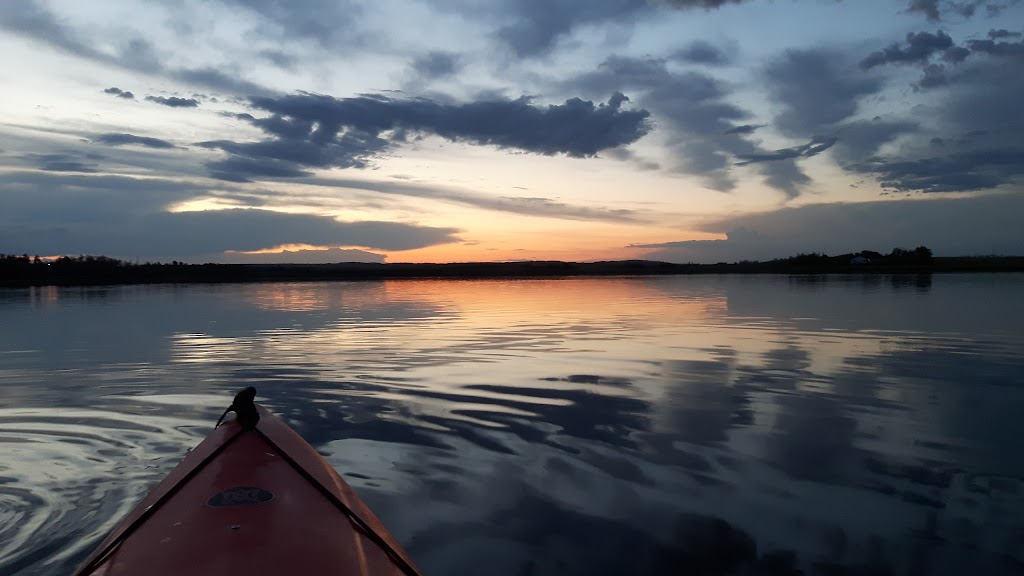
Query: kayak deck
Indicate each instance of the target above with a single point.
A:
(251, 502)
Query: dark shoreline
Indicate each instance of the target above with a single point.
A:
(105, 271)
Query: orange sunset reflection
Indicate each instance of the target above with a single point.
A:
(522, 297)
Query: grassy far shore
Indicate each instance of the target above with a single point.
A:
(20, 271)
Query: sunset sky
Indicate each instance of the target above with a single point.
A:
(480, 130)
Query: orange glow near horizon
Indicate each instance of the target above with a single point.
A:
(469, 252)
(566, 241)
(281, 249)
(480, 253)
(572, 241)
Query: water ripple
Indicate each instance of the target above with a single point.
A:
(67, 476)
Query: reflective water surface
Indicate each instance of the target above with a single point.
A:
(704, 425)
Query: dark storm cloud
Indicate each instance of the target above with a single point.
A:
(40, 199)
(817, 90)
(706, 4)
(290, 152)
(245, 169)
(696, 114)
(786, 176)
(238, 116)
(28, 18)
(67, 166)
(436, 64)
(993, 48)
(539, 24)
(627, 155)
(55, 213)
(935, 9)
(977, 117)
(861, 139)
(174, 101)
(247, 230)
(930, 8)
(997, 34)
(65, 162)
(819, 93)
(744, 129)
(278, 58)
(309, 130)
(812, 148)
(215, 79)
(191, 233)
(692, 110)
(35, 21)
(956, 54)
(114, 139)
(576, 128)
(962, 172)
(328, 22)
(139, 54)
(114, 91)
(920, 46)
(678, 244)
(701, 52)
(946, 225)
(936, 75)
(933, 76)
(77, 145)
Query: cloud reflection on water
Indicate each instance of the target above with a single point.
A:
(519, 420)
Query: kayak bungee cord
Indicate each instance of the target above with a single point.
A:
(353, 517)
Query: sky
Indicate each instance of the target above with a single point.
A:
(495, 130)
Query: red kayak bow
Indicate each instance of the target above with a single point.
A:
(252, 499)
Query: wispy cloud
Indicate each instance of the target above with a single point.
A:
(115, 91)
(65, 162)
(813, 148)
(122, 139)
(527, 206)
(174, 101)
(920, 46)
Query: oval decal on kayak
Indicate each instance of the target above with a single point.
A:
(240, 496)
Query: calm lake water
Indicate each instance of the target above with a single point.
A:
(704, 425)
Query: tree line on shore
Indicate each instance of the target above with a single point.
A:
(919, 255)
(25, 270)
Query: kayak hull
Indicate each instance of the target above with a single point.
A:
(252, 502)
